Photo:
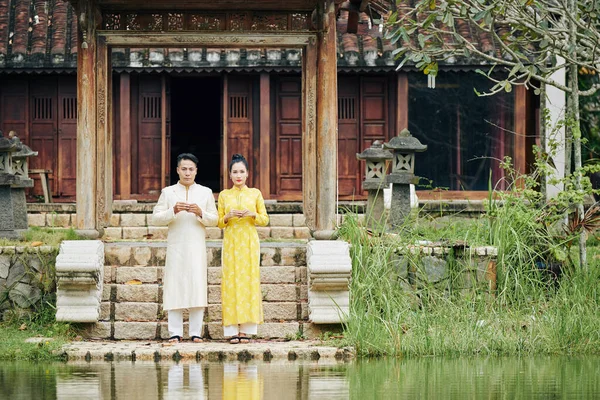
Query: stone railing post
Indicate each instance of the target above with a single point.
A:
(80, 278)
(21, 169)
(329, 273)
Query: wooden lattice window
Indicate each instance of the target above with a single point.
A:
(238, 107)
(151, 107)
(42, 108)
(69, 108)
(346, 108)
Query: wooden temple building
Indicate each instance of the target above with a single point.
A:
(110, 91)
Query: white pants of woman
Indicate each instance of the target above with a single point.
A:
(234, 330)
(176, 322)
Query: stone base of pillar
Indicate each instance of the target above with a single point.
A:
(19, 205)
(325, 234)
(90, 233)
(80, 278)
(375, 212)
(329, 272)
(400, 208)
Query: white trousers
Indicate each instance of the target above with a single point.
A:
(234, 330)
(176, 322)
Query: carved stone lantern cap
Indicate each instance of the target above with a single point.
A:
(405, 142)
(6, 144)
(22, 149)
(375, 152)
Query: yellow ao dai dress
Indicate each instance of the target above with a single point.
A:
(240, 287)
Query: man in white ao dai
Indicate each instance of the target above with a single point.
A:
(187, 208)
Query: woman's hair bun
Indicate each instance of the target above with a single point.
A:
(237, 156)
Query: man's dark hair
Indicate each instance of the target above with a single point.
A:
(187, 156)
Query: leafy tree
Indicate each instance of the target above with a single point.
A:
(532, 39)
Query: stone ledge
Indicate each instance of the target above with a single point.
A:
(257, 350)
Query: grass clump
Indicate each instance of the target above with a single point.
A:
(45, 236)
(19, 326)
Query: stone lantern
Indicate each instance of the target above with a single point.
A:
(376, 158)
(7, 178)
(404, 146)
(21, 169)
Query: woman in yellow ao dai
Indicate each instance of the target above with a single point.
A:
(241, 209)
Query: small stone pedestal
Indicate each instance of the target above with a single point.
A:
(8, 228)
(21, 169)
(376, 158)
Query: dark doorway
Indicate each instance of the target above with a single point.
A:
(196, 126)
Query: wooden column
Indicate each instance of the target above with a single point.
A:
(520, 128)
(309, 129)
(86, 119)
(224, 150)
(163, 131)
(327, 154)
(401, 103)
(125, 136)
(104, 137)
(265, 135)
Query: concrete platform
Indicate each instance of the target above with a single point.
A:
(256, 350)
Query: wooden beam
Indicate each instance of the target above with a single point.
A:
(125, 136)
(216, 39)
(104, 143)
(309, 129)
(86, 121)
(327, 154)
(265, 134)
(401, 102)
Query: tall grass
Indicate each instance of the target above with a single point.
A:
(529, 314)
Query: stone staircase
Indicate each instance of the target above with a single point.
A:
(131, 306)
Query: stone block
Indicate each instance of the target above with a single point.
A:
(316, 331)
(304, 311)
(214, 313)
(295, 256)
(105, 311)
(143, 274)
(134, 232)
(108, 273)
(135, 330)
(279, 292)
(131, 220)
(214, 275)
(160, 273)
(279, 220)
(117, 255)
(302, 233)
(137, 293)
(113, 233)
(214, 294)
(280, 311)
(299, 220)
(58, 220)
(98, 330)
(264, 232)
(278, 275)
(303, 292)
(115, 220)
(158, 232)
(214, 233)
(215, 330)
(302, 275)
(269, 256)
(142, 255)
(136, 311)
(106, 292)
(159, 255)
(36, 219)
(213, 257)
(282, 232)
(278, 330)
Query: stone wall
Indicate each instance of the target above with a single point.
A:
(26, 273)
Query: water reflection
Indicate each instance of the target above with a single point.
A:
(514, 378)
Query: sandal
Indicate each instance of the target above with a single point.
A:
(197, 339)
(175, 339)
(234, 340)
(244, 339)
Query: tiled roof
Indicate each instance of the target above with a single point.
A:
(40, 36)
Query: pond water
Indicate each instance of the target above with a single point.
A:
(427, 378)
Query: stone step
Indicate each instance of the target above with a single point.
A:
(153, 253)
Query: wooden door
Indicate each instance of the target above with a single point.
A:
(13, 107)
(239, 113)
(67, 137)
(286, 154)
(43, 128)
(149, 136)
(348, 135)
